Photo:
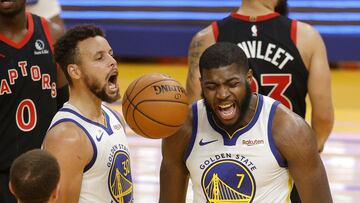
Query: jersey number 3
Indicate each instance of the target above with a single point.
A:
(26, 124)
(279, 84)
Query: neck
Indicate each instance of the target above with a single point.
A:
(256, 7)
(87, 103)
(11, 26)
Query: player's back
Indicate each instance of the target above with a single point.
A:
(27, 90)
(269, 42)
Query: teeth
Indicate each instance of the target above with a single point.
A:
(224, 106)
(112, 86)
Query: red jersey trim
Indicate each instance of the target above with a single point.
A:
(19, 45)
(255, 18)
(215, 29)
(293, 31)
(46, 29)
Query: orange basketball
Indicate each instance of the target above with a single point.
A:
(155, 105)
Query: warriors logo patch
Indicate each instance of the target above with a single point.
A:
(120, 182)
(228, 181)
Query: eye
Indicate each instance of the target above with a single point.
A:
(210, 86)
(234, 84)
(98, 57)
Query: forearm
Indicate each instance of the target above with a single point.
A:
(193, 88)
(322, 126)
(173, 187)
(314, 186)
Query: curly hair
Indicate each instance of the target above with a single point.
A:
(65, 47)
(222, 54)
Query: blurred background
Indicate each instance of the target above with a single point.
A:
(153, 36)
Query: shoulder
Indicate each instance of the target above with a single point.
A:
(307, 31)
(72, 148)
(291, 133)
(309, 41)
(56, 30)
(204, 37)
(66, 135)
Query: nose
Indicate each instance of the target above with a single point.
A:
(113, 62)
(222, 92)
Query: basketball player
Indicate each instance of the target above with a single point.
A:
(30, 86)
(287, 57)
(34, 177)
(239, 146)
(87, 137)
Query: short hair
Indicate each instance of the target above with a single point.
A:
(34, 175)
(65, 47)
(223, 54)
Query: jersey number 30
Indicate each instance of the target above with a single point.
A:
(26, 124)
(279, 84)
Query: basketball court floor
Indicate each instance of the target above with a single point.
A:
(341, 154)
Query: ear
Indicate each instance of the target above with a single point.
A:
(55, 194)
(11, 188)
(74, 71)
(249, 76)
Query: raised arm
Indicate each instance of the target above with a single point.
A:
(319, 83)
(73, 150)
(199, 43)
(296, 143)
(174, 175)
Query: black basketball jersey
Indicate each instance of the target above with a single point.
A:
(269, 42)
(27, 90)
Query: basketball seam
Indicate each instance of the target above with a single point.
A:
(165, 100)
(127, 96)
(138, 80)
(173, 126)
(136, 108)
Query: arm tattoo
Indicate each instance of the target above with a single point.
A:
(194, 56)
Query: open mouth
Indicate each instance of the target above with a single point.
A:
(7, 3)
(112, 81)
(226, 111)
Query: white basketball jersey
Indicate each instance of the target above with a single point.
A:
(243, 167)
(107, 178)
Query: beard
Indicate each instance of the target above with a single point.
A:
(244, 105)
(14, 12)
(282, 7)
(100, 92)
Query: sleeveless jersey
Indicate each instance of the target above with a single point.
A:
(27, 90)
(269, 43)
(107, 178)
(243, 167)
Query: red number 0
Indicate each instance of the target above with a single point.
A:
(279, 82)
(32, 117)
